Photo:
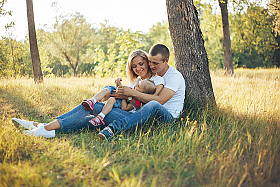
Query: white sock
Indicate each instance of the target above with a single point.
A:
(102, 115)
(41, 124)
(94, 100)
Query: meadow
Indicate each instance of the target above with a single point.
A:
(236, 145)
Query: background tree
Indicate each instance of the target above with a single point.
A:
(2, 11)
(107, 35)
(3, 58)
(36, 64)
(46, 57)
(274, 6)
(189, 53)
(210, 22)
(228, 64)
(118, 52)
(70, 39)
(15, 64)
(114, 47)
(159, 33)
(254, 44)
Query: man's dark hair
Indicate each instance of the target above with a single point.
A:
(160, 49)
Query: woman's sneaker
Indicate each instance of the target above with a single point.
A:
(23, 123)
(98, 120)
(88, 104)
(41, 132)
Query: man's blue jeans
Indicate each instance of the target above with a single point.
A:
(118, 119)
(141, 116)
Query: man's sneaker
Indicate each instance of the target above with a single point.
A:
(23, 123)
(98, 120)
(40, 131)
(88, 104)
(106, 133)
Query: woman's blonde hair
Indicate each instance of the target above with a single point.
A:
(131, 75)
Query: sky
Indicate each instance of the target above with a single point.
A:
(137, 15)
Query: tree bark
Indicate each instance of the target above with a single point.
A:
(228, 64)
(189, 53)
(36, 64)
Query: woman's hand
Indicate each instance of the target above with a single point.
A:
(118, 96)
(124, 90)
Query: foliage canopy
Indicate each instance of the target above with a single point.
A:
(75, 47)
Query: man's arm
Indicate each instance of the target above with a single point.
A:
(158, 89)
(162, 98)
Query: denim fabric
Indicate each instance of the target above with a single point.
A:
(118, 119)
(152, 108)
(79, 117)
(118, 103)
(110, 88)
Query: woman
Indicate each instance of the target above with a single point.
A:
(79, 117)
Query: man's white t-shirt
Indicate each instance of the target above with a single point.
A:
(157, 80)
(175, 81)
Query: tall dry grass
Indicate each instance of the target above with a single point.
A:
(236, 145)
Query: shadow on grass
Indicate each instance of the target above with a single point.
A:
(21, 107)
(35, 111)
(259, 134)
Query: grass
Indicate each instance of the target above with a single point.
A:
(236, 145)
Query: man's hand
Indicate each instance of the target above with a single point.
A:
(124, 90)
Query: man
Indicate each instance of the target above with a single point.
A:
(166, 106)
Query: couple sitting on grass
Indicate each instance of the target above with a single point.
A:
(158, 87)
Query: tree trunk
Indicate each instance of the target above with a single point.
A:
(36, 64)
(228, 64)
(189, 53)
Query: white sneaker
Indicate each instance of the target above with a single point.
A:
(24, 123)
(41, 132)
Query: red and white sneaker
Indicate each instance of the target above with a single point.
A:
(98, 120)
(88, 104)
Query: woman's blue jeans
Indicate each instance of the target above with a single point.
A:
(79, 117)
(118, 119)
